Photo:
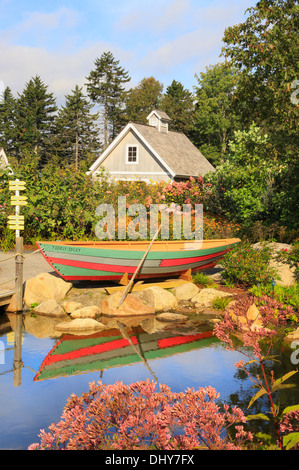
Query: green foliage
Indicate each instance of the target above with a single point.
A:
(105, 87)
(177, 102)
(243, 187)
(288, 295)
(263, 48)
(61, 202)
(8, 129)
(275, 417)
(246, 266)
(203, 280)
(291, 257)
(35, 115)
(76, 135)
(220, 303)
(142, 99)
(214, 120)
(257, 345)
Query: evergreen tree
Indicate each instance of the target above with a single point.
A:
(7, 122)
(178, 104)
(35, 117)
(105, 87)
(142, 99)
(77, 132)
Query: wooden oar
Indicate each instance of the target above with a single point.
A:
(125, 335)
(137, 269)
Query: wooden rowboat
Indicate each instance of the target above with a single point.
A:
(111, 260)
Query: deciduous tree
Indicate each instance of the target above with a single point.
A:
(142, 99)
(214, 119)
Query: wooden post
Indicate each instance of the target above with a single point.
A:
(19, 273)
(17, 362)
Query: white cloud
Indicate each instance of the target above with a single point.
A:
(62, 17)
(169, 39)
(193, 45)
(37, 24)
(60, 70)
(156, 20)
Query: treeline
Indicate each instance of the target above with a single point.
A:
(242, 114)
(78, 130)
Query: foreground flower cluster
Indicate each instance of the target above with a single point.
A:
(137, 416)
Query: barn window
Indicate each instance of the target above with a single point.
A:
(132, 154)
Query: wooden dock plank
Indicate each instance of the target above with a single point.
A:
(5, 296)
(139, 287)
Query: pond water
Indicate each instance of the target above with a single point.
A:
(40, 370)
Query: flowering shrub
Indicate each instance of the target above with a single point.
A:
(246, 266)
(62, 202)
(135, 416)
(184, 192)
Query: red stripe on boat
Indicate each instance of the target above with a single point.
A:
(177, 340)
(99, 348)
(95, 266)
(178, 262)
(139, 276)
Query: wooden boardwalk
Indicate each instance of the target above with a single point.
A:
(5, 296)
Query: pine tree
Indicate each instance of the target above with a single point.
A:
(77, 133)
(7, 122)
(178, 104)
(105, 87)
(35, 116)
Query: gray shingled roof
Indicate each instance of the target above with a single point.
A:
(177, 151)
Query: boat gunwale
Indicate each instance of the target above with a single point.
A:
(137, 245)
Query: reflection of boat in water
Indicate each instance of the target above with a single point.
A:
(107, 349)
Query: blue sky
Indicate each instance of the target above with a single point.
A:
(60, 40)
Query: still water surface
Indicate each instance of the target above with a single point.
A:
(34, 391)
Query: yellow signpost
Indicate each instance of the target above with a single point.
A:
(16, 222)
(18, 200)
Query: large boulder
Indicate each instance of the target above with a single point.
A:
(80, 326)
(45, 286)
(91, 311)
(159, 299)
(285, 273)
(49, 308)
(206, 297)
(293, 336)
(70, 306)
(131, 306)
(186, 291)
